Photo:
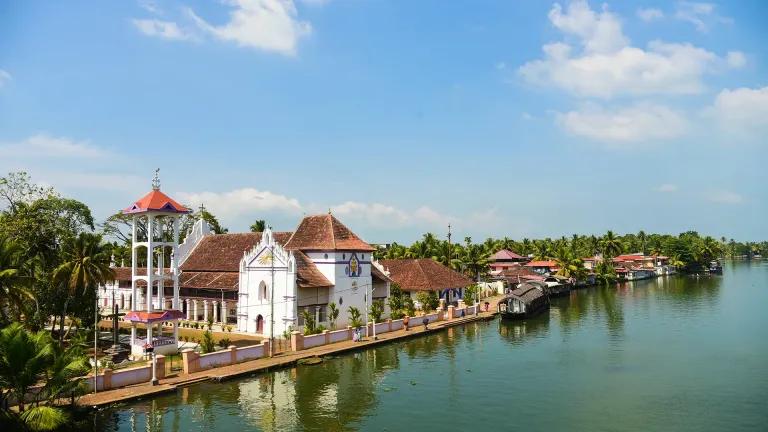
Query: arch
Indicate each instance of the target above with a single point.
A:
(259, 324)
(263, 290)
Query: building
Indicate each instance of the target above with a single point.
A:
(505, 259)
(426, 274)
(229, 278)
(543, 267)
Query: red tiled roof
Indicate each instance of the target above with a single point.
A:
(376, 273)
(512, 273)
(214, 280)
(505, 254)
(424, 274)
(223, 252)
(325, 232)
(307, 274)
(503, 264)
(542, 264)
(156, 201)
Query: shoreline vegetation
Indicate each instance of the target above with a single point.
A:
(54, 255)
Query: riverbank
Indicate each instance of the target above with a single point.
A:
(282, 360)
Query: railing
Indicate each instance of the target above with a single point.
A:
(156, 341)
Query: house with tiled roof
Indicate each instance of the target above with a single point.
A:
(505, 259)
(425, 274)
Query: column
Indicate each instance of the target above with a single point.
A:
(133, 334)
(224, 311)
(194, 310)
(205, 310)
(189, 310)
(215, 311)
(162, 303)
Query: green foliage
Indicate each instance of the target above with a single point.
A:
(309, 322)
(27, 358)
(258, 226)
(409, 308)
(470, 295)
(396, 301)
(376, 310)
(224, 342)
(206, 343)
(354, 317)
(333, 314)
(210, 322)
(428, 299)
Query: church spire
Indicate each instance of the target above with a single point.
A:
(156, 180)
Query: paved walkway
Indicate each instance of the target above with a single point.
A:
(265, 364)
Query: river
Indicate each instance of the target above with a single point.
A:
(677, 353)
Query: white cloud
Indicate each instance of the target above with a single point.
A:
(701, 15)
(608, 66)
(722, 196)
(598, 33)
(270, 25)
(640, 122)
(389, 217)
(5, 77)
(650, 14)
(240, 202)
(150, 6)
(46, 146)
(741, 113)
(736, 59)
(163, 29)
(667, 188)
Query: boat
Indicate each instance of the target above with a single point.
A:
(715, 267)
(527, 300)
(557, 286)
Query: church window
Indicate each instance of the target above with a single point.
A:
(263, 290)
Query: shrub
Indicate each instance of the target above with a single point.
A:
(428, 300)
(224, 342)
(354, 317)
(229, 328)
(207, 345)
(377, 310)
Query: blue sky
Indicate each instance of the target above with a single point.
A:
(524, 119)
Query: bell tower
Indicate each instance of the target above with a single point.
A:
(155, 235)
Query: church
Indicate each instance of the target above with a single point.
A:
(253, 281)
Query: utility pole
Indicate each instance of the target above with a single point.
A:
(96, 346)
(450, 258)
(272, 302)
(374, 318)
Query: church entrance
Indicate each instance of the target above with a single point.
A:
(259, 324)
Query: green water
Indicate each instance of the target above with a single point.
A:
(673, 354)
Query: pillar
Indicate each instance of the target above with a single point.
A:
(194, 310)
(189, 360)
(266, 349)
(327, 336)
(297, 341)
(451, 312)
(106, 382)
(205, 310)
(224, 311)
(160, 368)
(189, 310)
(232, 354)
(133, 334)
(162, 303)
(215, 311)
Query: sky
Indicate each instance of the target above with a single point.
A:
(519, 119)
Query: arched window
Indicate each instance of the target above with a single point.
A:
(263, 290)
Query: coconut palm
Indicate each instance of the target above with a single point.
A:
(611, 245)
(475, 260)
(13, 283)
(569, 265)
(85, 267)
(27, 358)
(641, 236)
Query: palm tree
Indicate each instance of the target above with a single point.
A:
(26, 358)
(541, 250)
(419, 249)
(333, 314)
(13, 292)
(642, 237)
(569, 265)
(611, 245)
(475, 260)
(85, 267)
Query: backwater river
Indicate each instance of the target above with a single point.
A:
(678, 353)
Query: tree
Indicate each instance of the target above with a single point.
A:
(611, 245)
(475, 260)
(13, 282)
(642, 237)
(259, 226)
(309, 322)
(27, 358)
(396, 301)
(85, 267)
(354, 317)
(333, 314)
(428, 300)
(409, 308)
(569, 265)
(377, 310)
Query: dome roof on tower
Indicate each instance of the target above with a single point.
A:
(156, 201)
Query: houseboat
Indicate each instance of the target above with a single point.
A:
(558, 286)
(527, 300)
(715, 267)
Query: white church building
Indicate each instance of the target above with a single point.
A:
(250, 280)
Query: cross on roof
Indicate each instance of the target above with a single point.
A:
(156, 180)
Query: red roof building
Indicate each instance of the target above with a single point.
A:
(156, 201)
(325, 233)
